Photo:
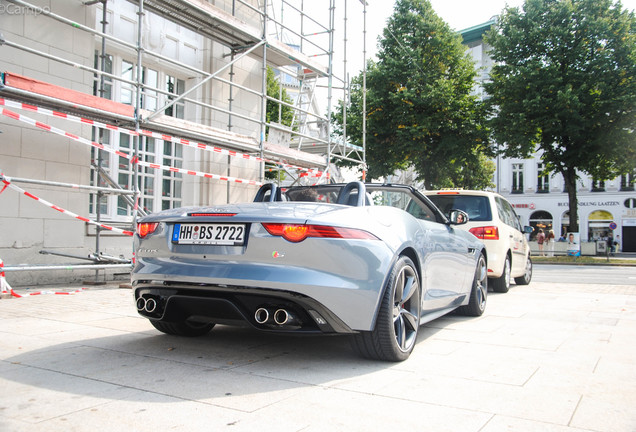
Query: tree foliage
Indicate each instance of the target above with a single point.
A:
(564, 82)
(275, 112)
(420, 110)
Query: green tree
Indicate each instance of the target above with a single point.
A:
(564, 82)
(420, 110)
(275, 111)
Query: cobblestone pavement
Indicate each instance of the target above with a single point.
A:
(545, 357)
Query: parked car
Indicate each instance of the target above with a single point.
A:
(373, 261)
(492, 220)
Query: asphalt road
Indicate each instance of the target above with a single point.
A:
(556, 355)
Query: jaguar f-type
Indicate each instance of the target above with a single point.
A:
(374, 261)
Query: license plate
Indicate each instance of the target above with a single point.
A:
(209, 234)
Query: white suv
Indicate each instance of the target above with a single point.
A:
(492, 219)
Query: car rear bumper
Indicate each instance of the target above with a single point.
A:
(343, 291)
(495, 262)
(268, 310)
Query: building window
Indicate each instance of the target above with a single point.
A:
(126, 92)
(598, 186)
(152, 97)
(171, 181)
(628, 181)
(543, 180)
(159, 190)
(517, 178)
(150, 79)
(125, 173)
(99, 158)
(175, 86)
(107, 91)
(630, 203)
(540, 220)
(598, 224)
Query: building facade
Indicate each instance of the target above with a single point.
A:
(541, 200)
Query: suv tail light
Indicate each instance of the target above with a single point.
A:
(486, 232)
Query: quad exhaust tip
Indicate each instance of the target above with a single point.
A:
(151, 305)
(279, 317)
(141, 303)
(148, 305)
(261, 316)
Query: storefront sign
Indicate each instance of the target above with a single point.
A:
(592, 203)
(530, 206)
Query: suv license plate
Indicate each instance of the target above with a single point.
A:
(209, 234)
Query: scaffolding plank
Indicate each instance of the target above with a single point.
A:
(213, 22)
(76, 98)
(290, 155)
(281, 54)
(203, 17)
(208, 134)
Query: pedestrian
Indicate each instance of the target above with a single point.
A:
(611, 244)
(549, 240)
(540, 241)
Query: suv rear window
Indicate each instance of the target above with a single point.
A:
(477, 206)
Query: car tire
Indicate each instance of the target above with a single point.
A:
(479, 292)
(527, 275)
(184, 328)
(502, 283)
(398, 320)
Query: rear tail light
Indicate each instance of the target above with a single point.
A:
(299, 232)
(486, 233)
(145, 228)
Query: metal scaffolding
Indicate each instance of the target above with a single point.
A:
(283, 35)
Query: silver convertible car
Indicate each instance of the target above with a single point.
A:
(371, 260)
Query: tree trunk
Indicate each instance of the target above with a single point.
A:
(570, 178)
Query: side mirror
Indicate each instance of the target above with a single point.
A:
(528, 229)
(458, 217)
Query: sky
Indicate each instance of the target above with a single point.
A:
(459, 14)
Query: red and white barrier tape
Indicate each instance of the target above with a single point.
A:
(49, 128)
(109, 149)
(37, 293)
(5, 288)
(7, 181)
(18, 105)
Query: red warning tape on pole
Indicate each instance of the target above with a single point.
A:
(7, 181)
(5, 288)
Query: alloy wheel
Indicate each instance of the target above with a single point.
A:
(406, 306)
